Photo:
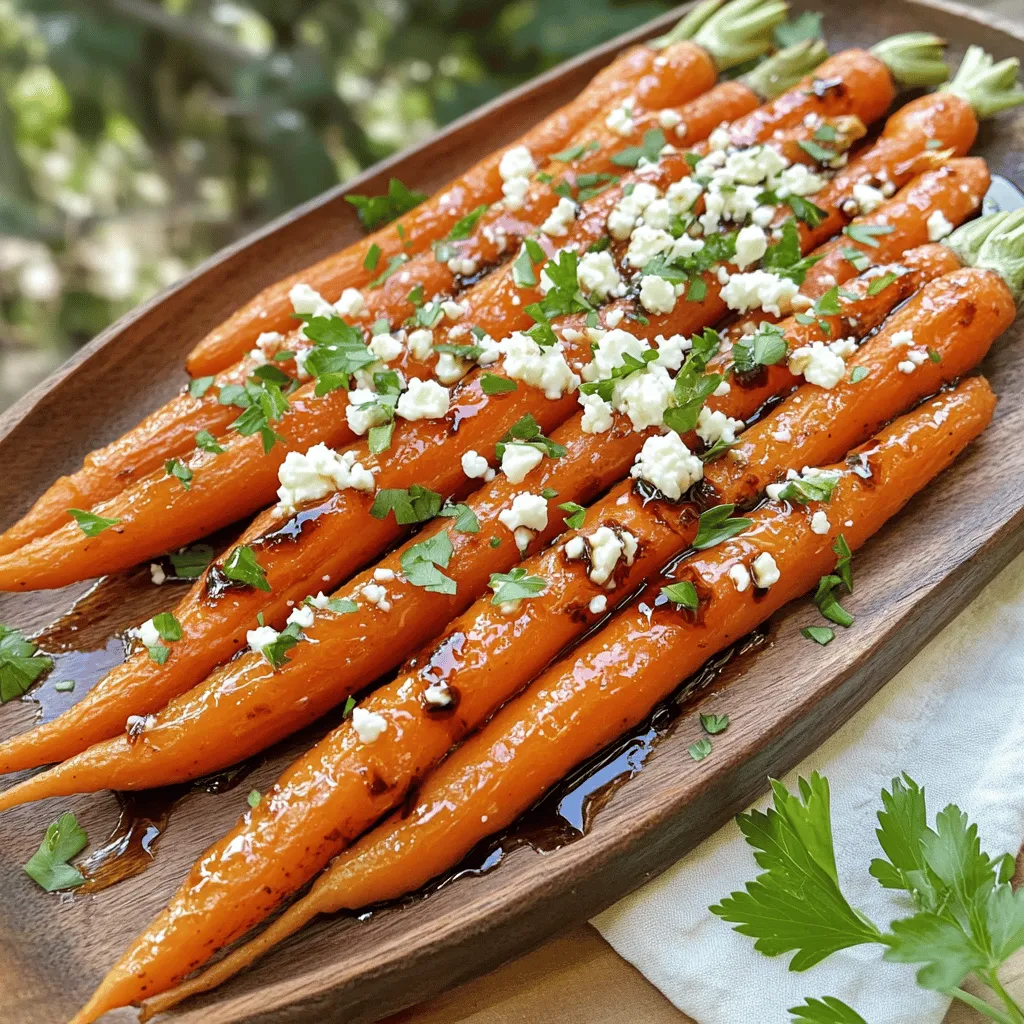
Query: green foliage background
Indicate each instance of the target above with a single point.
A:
(139, 136)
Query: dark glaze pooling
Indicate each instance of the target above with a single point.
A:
(143, 818)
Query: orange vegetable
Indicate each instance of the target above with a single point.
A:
(170, 431)
(242, 707)
(334, 793)
(654, 78)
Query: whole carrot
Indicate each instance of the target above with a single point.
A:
(242, 708)
(604, 688)
(141, 687)
(669, 70)
(172, 429)
(302, 822)
(500, 301)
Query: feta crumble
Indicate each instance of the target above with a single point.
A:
(740, 578)
(765, 571)
(598, 276)
(667, 464)
(317, 473)
(424, 400)
(541, 368)
(759, 289)
(657, 295)
(938, 226)
(368, 725)
(818, 364)
(820, 523)
(518, 460)
(476, 467)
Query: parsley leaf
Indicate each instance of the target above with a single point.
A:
(460, 230)
(649, 150)
(177, 469)
(493, 384)
(860, 261)
(881, 282)
(242, 567)
(858, 373)
(819, 634)
(466, 520)
(578, 514)
(89, 523)
(575, 152)
(205, 441)
(338, 351)
(764, 348)
(49, 866)
(683, 594)
(785, 257)
(198, 386)
(376, 211)
(415, 505)
(372, 257)
(523, 273)
(254, 798)
(527, 431)
(420, 564)
(806, 489)
(20, 664)
(714, 724)
(827, 1010)
(716, 525)
(693, 387)
(190, 563)
(276, 652)
(515, 585)
(699, 750)
(866, 234)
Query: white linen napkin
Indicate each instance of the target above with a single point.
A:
(953, 719)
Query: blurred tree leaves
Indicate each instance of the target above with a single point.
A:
(138, 136)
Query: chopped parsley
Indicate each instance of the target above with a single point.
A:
(493, 384)
(527, 431)
(649, 149)
(242, 567)
(683, 594)
(718, 524)
(376, 211)
(89, 523)
(866, 234)
(190, 563)
(49, 867)
(181, 472)
(515, 585)
(577, 514)
(20, 664)
(466, 520)
(205, 441)
(413, 505)
(420, 564)
(198, 386)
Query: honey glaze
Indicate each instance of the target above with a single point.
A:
(567, 813)
(144, 815)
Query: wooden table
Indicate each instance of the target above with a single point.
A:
(576, 978)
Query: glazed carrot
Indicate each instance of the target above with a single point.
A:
(670, 70)
(610, 683)
(565, 716)
(327, 798)
(499, 303)
(142, 687)
(171, 430)
(242, 708)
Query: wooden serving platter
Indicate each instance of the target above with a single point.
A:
(783, 698)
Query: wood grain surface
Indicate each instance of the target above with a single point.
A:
(783, 699)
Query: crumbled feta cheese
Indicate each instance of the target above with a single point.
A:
(147, 633)
(489, 351)
(476, 466)
(667, 464)
(606, 548)
(906, 366)
(644, 397)
(759, 288)
(157, 574)
(645, 243)
(363, 412)
(518, 459)
(612, 319)
(261, 637)
(765, 571)
(385, 347)
(628, 209)
(844, 347)
(751, 245)
(309, 302)
(424, 400)
(320, 601)
(620, 120)
(938, 226)
(901, 338)
(528, 512)
(453, 310)
(301, 617)
(450, 369)
(598, 605)
(609, 350)
(672, 350)
(597, 414)
(438, 695)
(722, 390)
(463, 266)
(818, 364)
(516, 162)
(798, 180)
(421, 344)
(368, 725)
(574, 547)
(317, 473)
(541, 368)
(868, 199)
(657, 295)
(740, 577)
(351, 303)
(377, 595)
(713, 427)
(558, 220)
(669, 118)
(598, 276)
(269, 340)
(820, 523)
(383, 575)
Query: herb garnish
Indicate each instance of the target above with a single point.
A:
(376, 211)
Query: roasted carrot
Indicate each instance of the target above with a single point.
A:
(171, 430)
(324, 800)
(499, 303)
(670, 70)
(140, 687)
(610, 683)
(240, 710)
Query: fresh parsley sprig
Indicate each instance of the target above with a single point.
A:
(966, 919)
(376, 211)
(21, 664)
